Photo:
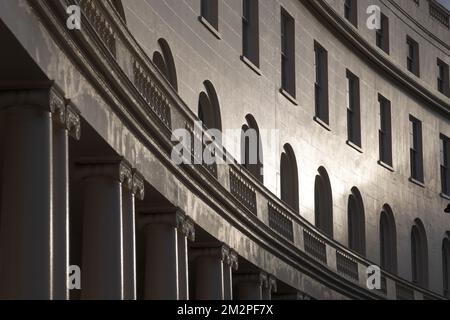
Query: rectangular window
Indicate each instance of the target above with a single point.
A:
(416, 156)
(287, 53)
(385, 133)
(412, 59)
(353, 109)
(321, 82)
(443, 85)
(445, 162)
(351, 11)
(382, 34)
(250, 31)
(210, 12)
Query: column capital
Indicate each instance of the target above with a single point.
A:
(257, 277)
(72, 120)
(232, 259)
(49, 98)
(271, 283)
(172, 216)
(115, 168)
(137, 186)
(188, 228)
(218, 250)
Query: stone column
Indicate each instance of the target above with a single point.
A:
(209, 263)
(67, 123)
(230, 264)
(250, 286)
(102, 254)
(135, 189)
(269, 288)
(187, 233)
(161, 228)
(26, 242)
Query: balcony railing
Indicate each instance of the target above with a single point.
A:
(280, 222)
(153, 95)
(243, 191)
(347, 266)
(315, 247)
(100, 23)
(171, 111)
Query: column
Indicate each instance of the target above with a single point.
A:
(230, 264)
(102, 254)
(187, 233)
(209, 271)
(250, 286)
(269, 288)
(27, 182)
(131, 191)
(161, 273)
(67, 123)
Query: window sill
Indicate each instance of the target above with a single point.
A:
(288, 96)
(209, 26)
(251, 65)
(386, 166)
(445, 196)
(417, 182)
(322, 123)
(354, 146)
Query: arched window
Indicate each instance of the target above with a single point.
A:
(289, 177)
(356, 223)
(419, 254)
(209, 108)
(388, 240)
(251, 148)
(165, 63)
(117, 4)
(323, 202)
(446, 265)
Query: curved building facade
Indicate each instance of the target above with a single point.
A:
(330, 119)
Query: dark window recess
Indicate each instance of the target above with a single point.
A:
(250, 31)
(382, 34)
(444, 164)
(321, 82)
(412, 59)
(353, 109)
(443, 83)
(385, 130)
(416, 154)
(210, 12)
(351, 11)
(287, 53)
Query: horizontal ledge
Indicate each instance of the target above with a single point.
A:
(416, 182)
(210, 27)
(288, 96)
(385, 165)
(251, 65)
(354, 146)
(322, 123)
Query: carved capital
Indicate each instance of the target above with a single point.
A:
(72, 121)
(232, 259)
(211, 250)
(137, 186)
(170, 216)
(271, 284)
(188, 229)
(259, 278)
(115, 168)
(57, 106)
